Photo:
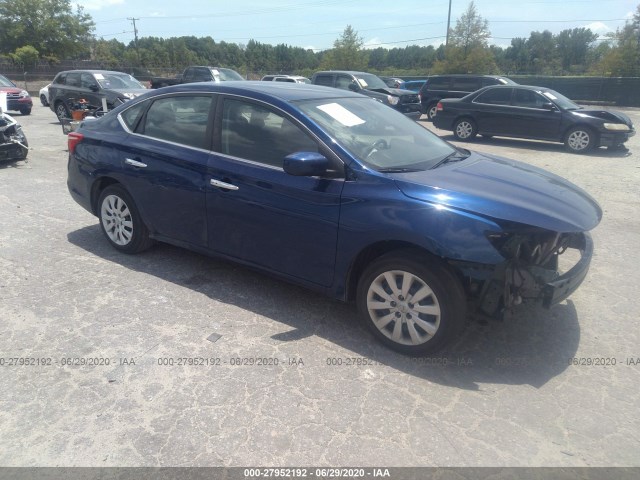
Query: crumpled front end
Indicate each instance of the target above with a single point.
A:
(13, 142)
(540, 266)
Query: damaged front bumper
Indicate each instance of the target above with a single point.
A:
(496, 289)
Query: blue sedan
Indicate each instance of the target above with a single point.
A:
(336, 192)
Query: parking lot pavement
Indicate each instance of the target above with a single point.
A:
(170, 358)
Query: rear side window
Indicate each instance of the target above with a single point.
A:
(465, 84)
(73, 79)
(181, 119)
(131, 116)
(495, 96)
(326, 80)
(284, 79)
(438, 83)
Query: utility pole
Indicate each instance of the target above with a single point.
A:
(135, 36)
(446, 42)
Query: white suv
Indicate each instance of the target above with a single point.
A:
(286, 78)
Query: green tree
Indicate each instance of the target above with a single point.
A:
(468, 50)
(347, 52)
(623, 58)
(25, 56)
(49, 26)
(572, 47)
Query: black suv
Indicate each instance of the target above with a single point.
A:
(69, 87)
(438, 87)
(405, 101)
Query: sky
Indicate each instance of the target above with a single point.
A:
(316, 24)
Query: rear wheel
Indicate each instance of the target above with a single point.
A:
(465, 129)
(432, 110)
(121, 222)
(412, 303)
(62, 111)
(44, 101)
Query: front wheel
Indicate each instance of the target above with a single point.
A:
(25, 111)
(465, 129)
(121, 222)
(44, 101)
(580, 140)
(412, 303)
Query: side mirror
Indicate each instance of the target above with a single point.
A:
(306, 164)
(354, 87)
(94, 88)
(549, 106)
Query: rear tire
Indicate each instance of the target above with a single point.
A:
(44, 101)
(62, 111)
(120, 221)
(432, 110)
(465, 129)
(411, 302)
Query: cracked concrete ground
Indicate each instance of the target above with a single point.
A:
(504, 394)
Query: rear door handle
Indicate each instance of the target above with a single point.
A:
(134, 163)
(226, 186)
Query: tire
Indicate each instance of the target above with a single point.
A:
(431, 110)
(62, 111)
(25, 111)
(44, 101)
(580, 139)
(394, 319)
(120, 221)
(465, 129)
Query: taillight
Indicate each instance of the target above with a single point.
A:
(439, 107)
(73, 139)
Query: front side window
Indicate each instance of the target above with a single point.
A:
(528, 99)
(117, 81)
(87, 80)
(256, 133)
(464, 84)
(324, 80)
(180, 119)
(73, 79)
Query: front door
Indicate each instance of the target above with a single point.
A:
(258, 213)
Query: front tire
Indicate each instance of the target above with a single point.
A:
(465, 129)
(580, 140)
(25, 111)
(120, 221)
(44, 101)
(412, 303)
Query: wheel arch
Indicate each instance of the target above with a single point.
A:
(376, 250)
(96, 189)
(584, 125)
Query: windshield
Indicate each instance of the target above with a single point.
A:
(378, 136)
(5, 82)
(226, 74)
(117, 81)
(371, 82)
(560, 100)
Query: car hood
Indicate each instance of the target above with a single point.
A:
(11, 89)
(398, 92)
(504, 189)
(606, 115)
(135, 91)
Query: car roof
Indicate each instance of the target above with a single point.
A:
(525, 87)
(351, 72)
(255, 88)
(94, 71)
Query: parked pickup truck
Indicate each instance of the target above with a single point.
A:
(197, 74)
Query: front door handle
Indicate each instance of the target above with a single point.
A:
(134, 163)
(226, 186)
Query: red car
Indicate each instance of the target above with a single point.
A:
(18, 100)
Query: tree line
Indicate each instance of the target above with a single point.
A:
(51, 31)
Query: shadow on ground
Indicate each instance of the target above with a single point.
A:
(531, 348)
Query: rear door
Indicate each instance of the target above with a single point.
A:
(166, 163)
(493, 111)
(258, 213)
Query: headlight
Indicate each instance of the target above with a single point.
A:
(392, 100)
(619, 127)
(24, 94)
